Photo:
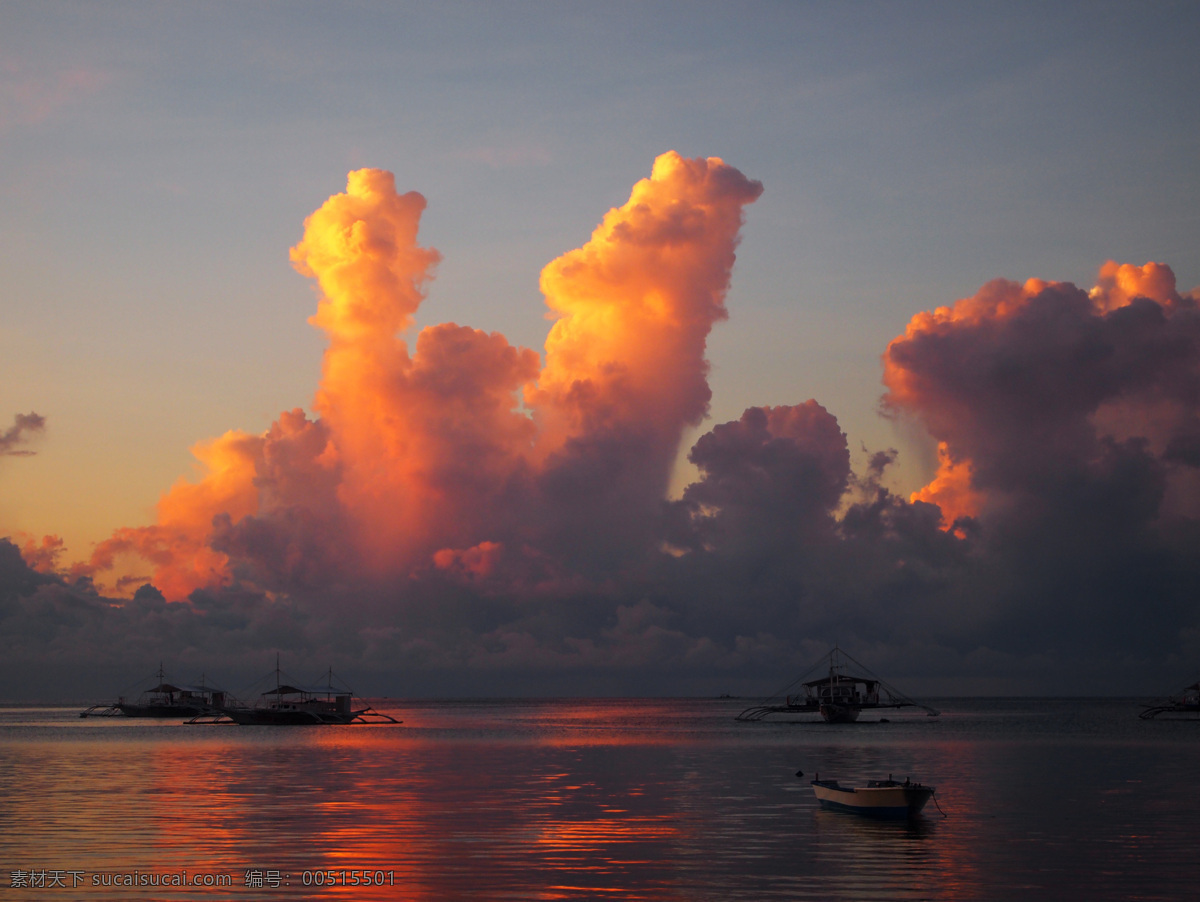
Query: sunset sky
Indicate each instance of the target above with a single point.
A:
(612, 348)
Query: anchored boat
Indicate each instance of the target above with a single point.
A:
(888, 798)
(288, 704)
(844, 690)
(164, 700)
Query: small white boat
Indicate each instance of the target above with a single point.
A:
(879, 798)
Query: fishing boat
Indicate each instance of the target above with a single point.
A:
(163, 700)
(889, 799)
(843, 691)
(289, 704)
(1183, 705)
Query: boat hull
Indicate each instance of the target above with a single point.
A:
(839, 713)
(288, 717)
(178, 712)
(884, 799)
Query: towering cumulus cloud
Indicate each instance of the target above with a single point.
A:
(1068, 429)
(424, 444)
(625, 367)
(426, 460)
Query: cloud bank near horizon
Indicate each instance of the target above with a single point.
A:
(465, 505)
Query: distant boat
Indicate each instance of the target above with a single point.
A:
(838, 696)
(287, 704)
(1185, 702)
(889, 799)
(164, 700)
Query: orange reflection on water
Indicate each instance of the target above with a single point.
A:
(288, 802)
(546, 800)
(574, 835)
(956, 853)
(439, 819)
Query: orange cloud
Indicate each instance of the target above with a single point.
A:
(634, 306)
(177, 545)
(420, 437)
(426, 458)
(42, 555)
(951, 489)
(1120, 283)
(625, 369)
(361, 247)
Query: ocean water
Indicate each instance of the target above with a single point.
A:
(656, 799)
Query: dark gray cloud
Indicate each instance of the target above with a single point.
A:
(23, 427)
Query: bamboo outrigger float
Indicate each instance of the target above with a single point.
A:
(838, 696)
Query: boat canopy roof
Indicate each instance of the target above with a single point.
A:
(843, 678)
(287, 689)
(172, 687)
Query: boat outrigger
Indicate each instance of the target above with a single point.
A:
(164, 700)
(287, 704)
(1183, 705)
(888, 798)
(839, 696)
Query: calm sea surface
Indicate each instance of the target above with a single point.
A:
(600, 799)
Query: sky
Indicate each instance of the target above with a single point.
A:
(604, 349)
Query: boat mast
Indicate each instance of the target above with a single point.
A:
(835, 676)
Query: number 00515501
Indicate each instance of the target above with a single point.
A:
(348, 878)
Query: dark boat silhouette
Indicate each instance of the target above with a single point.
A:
(1183, 705)
(290, 704)
(165, 699)
(844, 690)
